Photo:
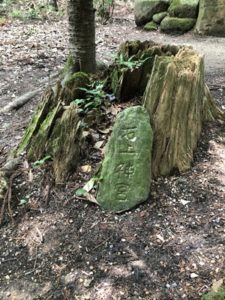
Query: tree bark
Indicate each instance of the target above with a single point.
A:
(81, 18)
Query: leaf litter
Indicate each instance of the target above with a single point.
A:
(59, 247)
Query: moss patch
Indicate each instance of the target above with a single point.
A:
(184, 8)
(157, 18)
(170, 24)
(151, 26)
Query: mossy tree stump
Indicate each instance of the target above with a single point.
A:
(178, 102)
(55, 127)
(129, 74)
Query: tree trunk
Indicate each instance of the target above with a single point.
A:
(81, 17)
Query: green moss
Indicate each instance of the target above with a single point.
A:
(151, 26)
(170, 24)
(36, 121)
(78, 78)
(157, 18)
(184, 8)
(215, 295)
(38, 143)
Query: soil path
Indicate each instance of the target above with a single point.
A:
(171, 247)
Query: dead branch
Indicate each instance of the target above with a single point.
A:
(23, 99)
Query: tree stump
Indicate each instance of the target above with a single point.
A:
(178, 102)
(133, 65)
(55, 127)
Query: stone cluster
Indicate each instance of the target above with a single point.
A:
(180, 16)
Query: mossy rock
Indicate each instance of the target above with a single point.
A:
(184, 9)
(125, 177)
(180, 25)
(211, 18)
(151, 26)
(215, 295)
(157, 18)
(145, 9)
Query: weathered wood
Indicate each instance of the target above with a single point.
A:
(132, 68)
(178, 102)
(54, 128)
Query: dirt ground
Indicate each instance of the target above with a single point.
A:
(61, 247)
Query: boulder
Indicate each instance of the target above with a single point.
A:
(157, 18)
(145, 9)
(126, 169)
(184, 8)
(151, 26)
(211, 18)
(170, 24)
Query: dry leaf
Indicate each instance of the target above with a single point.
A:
(105, 131)
(217, 284)
(86, 168)
(91, 198)
(114, 110)
(98, 145)
(30, 176)
(26, 165)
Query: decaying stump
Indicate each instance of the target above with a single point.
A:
(133, 65)
(55, 127)
(178, 102)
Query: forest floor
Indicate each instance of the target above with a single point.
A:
(60, 247)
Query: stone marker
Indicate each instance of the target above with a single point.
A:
(126, 168)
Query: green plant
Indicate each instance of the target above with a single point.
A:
(94, 96)
(40, 162)
(32, 14)
(130, 63)
(16, 14)
(218, 294)
(24, 201)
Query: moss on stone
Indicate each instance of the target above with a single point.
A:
(151, 26)
(157, 18)
(184, 8)
(181, 25)
(126, 168)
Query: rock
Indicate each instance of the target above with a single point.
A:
(126, 169)
(145, 9)
(157, 18)
(211, 18)
(170, 24)
(184, 9)
(151, 26)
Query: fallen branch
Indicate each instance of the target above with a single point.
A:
(20, 101)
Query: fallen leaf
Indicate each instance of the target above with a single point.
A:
(98, 145)
(193, 275)
(30, 176)
(217, 284)
(105, 131)
(86, 168)
(80, 192)
(89, 185)
(91, 198)
(184, 202)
